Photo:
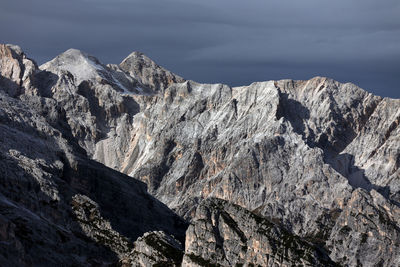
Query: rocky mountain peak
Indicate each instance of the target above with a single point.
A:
(138, 54)
(148, 72)
(80, 64)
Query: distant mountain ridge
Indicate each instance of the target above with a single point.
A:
(277, 173)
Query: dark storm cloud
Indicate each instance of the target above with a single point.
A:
(234, 42)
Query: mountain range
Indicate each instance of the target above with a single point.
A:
(133, 165)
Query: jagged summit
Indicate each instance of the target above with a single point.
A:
(85, 67)
(15, 48)
(148, 72)
(80, 64)
(136, 74)
(276, 173)
(137, 54)
(72, 56)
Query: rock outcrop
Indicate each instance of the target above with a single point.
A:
(17, 71)
(277, 173)
(223, 234)
(155, 249)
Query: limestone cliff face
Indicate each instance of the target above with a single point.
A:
(316, 161)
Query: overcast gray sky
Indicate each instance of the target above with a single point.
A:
(227, 41)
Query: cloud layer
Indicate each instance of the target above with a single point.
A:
(228, 41)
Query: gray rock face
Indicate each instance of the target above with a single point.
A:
(368, 230)
(229, 143)
(223, 234)
(316, 162)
